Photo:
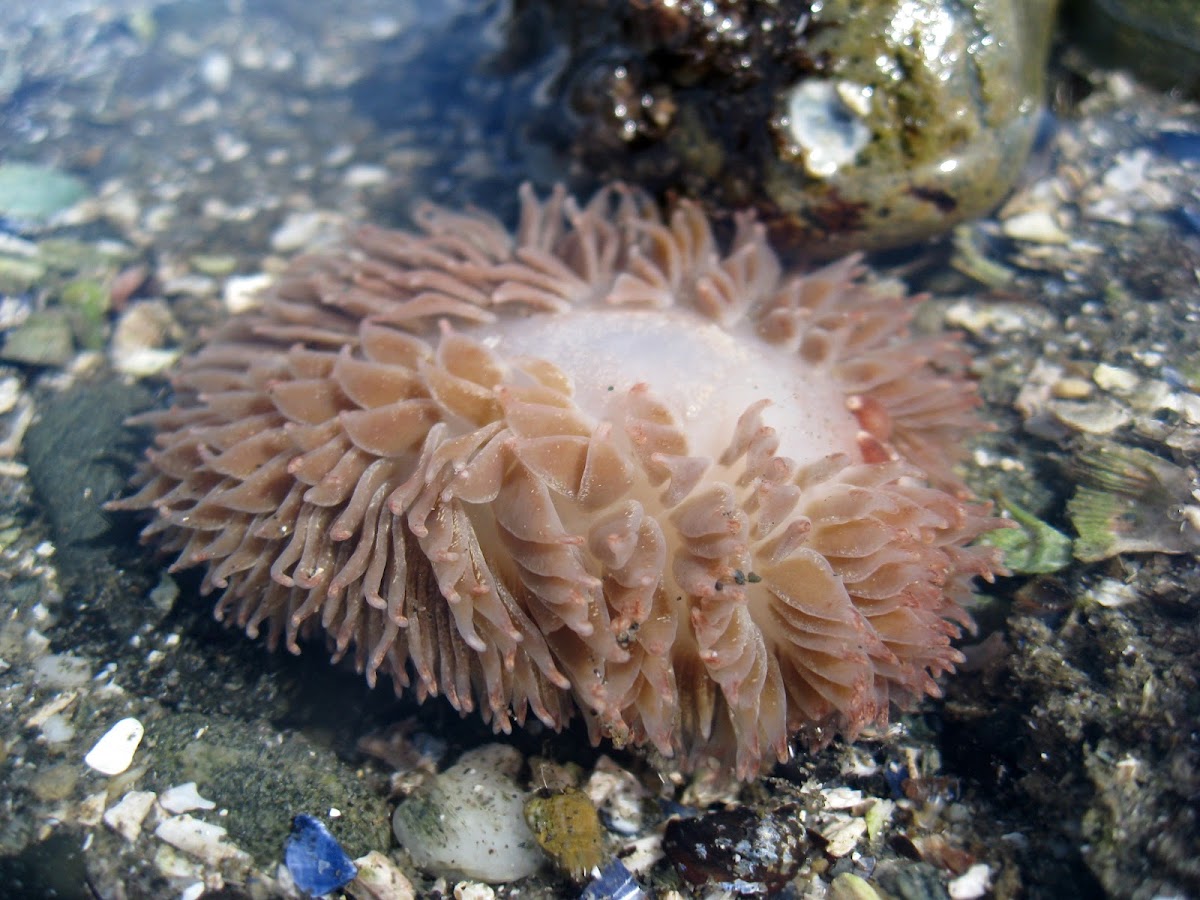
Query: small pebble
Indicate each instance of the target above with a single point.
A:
(177, 866)
(1036, 226)
(138, 340)
(1114, 379)
(90, 811)
(1112, 593)
(841, 798)
(62, 671)
(1071, 388)
(641, 855)
(849, 886)
(43, 339)
(877, 816)
(980, 317)
(57, 730)
(31, 193)
(473, 890)
(243, 292)
(189, 285)
(214, 265)
(339, 155)
(383, 28)
(125, 284)
(971, 884)
(229, 148)
(843, 836)
(300, 230)
(470, 820)
(10, 392)
(217, 71)
(365, 176)
(113, 753)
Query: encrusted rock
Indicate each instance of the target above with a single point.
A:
(845, 124)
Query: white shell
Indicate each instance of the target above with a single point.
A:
(184, 798)
(203, 840)
(113, 753)
(126, 816)
(380, 879)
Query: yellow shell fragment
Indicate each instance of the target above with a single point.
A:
(568, 829)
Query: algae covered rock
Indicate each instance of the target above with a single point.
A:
(264, 779)
(847, 124)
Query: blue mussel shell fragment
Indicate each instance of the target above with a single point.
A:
(315, 859)
(615, 882)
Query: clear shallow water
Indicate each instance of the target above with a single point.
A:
(213, 141)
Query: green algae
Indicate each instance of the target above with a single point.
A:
(1128, 501)
(1033, 547)
(264, 778)
(87, 301)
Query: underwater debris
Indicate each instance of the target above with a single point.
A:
(314, 858)
(1131, 501)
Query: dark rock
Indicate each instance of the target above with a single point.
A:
(845, 125)
(738, 849)
(54, 867)
(80, 455)
(1158, 39)
(913, 881)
